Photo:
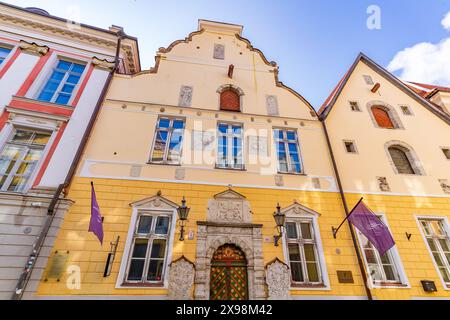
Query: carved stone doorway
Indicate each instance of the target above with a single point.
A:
(229, 279)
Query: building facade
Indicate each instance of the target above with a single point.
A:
(211, 123)
(52, 74)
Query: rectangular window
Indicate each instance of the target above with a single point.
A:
(350, 146)
(438, 242)
(368, 80)
(382, 269)
(62, 82)
(4, 52)
(229, 144)
(354, 106)
(446, 152)
(406, 110)
(148, 253)
(302, 250)
(19, 158)
(286, 142)
(167, 145)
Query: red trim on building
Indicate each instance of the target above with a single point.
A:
(33, 74)
(36, 106)
(9, 62)
(10, 40)
(83, 85)
(50, 153)
(3, 119)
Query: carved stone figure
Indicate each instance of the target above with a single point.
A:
(278, 280)
(229, 207)
(383, 184)
(180, 174)
(219, 51)
(185, 99)
(272, 105)
(279, 181)
(181, 279)
(445, 185)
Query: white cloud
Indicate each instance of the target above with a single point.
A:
(446, 21)
(425, 62)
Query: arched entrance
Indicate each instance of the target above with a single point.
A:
(229, 279)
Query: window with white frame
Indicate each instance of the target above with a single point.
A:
(63, 80)
(302, 251)
(438, 241)
(229, 145)
(383, 270)
(167, 145)
(287, 147)
(4, 52)
(20, 156)
(148, 252)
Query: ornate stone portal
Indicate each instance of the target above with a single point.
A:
(229, 221)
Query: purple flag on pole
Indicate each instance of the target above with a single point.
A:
(96, 224)
(372, 227)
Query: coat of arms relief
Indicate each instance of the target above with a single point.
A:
(229, 207)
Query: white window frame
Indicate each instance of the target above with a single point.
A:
(288, 157)
(45, 74)
(122, 282)
(169, 137)
(403, 282)
(27, 120)
(446, 226)
(311, 216)
(230, 136)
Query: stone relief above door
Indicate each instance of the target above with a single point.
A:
(229, 207)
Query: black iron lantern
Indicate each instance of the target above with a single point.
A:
(280, 220)
(183, 213)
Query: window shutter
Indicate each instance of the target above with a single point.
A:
(230, 101)
(401, 161)
(382, 118)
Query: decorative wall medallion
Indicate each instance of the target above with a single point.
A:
(181, 279)
(278, 280)
(316, 183)
(279, 180)
(219, 51)
(272, 106)
(135, 171)
(383, 184)
(180, 174)
(33, 48)
(185, 99)
(445, 185)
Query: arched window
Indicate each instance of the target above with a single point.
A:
(382, 117)
(230, 100)
(401, 160)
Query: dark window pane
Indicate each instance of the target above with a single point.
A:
(155, 269)
(223, 128)
(291, 135)
(178, 124)
(313, 272)
(370, 256)
(291, 230)
(136, 268)
(162, 225)
(389, 271)
(159, 248)
(306, 230)
(140, 248)
(310, 254)
(296, 272)
(145, 223)
(164, 123)
(78, 68)
(294, 252)
(63, 65)
(62, 99)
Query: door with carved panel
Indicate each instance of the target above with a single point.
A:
(229, 279)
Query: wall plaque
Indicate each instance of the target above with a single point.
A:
(345, 276)
(57, 265)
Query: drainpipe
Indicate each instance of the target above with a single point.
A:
(26, 273)
(344, 202)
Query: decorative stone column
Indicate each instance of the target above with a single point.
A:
(278, 280)
(181, 279)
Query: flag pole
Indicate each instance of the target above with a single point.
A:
(335, 230)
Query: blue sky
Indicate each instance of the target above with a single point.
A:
(314, 42)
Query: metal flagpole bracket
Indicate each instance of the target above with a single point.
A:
(335, 230)
(111, 256)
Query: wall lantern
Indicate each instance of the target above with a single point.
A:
(280, 220)
(183, 213)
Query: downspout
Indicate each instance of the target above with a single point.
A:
(344, 202)
(26, 273)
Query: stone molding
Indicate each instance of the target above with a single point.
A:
(33, 48)
(410, 153)
(103, 64)
(389, 109)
